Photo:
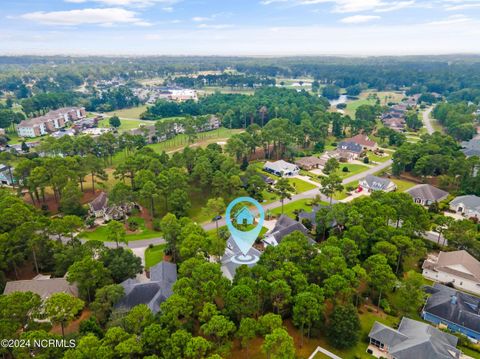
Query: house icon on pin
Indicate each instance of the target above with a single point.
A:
(244, 216)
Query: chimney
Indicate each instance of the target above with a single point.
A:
(453, 300)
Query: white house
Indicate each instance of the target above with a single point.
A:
(468, 205)
(458, 268)
(373, 183)
(281, 168)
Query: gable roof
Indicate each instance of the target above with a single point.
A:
(362, 140)
(310, 161)
(153, 292)
(472, 147)
(376, 183)
(100, 202)
(459, 263)
(427, 192)
(414, 339)
(462, 310)
(44, 287)
(470, 202)
(285, 226)
(350, 147)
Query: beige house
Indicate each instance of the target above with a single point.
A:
(458, 268)
(310, 163)
(42, 285)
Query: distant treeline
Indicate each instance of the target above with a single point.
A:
(223, 80)
(452, 76)
(239, 110)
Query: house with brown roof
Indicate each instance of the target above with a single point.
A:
(100, 208)
(458, 268)
(42, 285)
(310, 163)
(364, 141)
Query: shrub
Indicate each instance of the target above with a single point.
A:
(133, 223)
(366, 160)
(345, 169)
(156, 225)
(385, 305)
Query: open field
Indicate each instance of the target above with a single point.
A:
(125, 125)
(365, 99)
(133, 112)
(204, 138)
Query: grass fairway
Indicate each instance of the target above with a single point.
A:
(100, 234)
(133, 112)
(125, 125)
(353, 169)
(300, 186)
(154, 255)
(180, 141)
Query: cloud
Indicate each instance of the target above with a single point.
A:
(359, 19)
(201, 18)
(214, 26)
(127, 3)
(104, 16)
(454, 5)
(347, 6)
(451, 20)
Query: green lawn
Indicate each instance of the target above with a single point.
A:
(290, 207)
(402, 185)
(133, 112)
(300, 185)
(204, 138)
(353, 169)
(125, 125)
(353, 105)
(154, 255)
(100, 234)
(376, 158)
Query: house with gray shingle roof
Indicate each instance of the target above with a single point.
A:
(153, 292)
(284, 226)
(412, 339)
(472, 147)
(457, 268)
(426, 194)
(349, 150)
(373, 183)
(468, 205)
(42, 285)
(281, 168)
(452, 309)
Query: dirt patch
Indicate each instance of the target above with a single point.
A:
(74, 326)
(52, 204)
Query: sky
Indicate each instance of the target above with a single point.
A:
(239, 27)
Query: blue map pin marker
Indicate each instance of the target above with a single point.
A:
(244, 239)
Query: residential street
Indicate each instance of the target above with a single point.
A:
(144, 243)
(427, 121)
